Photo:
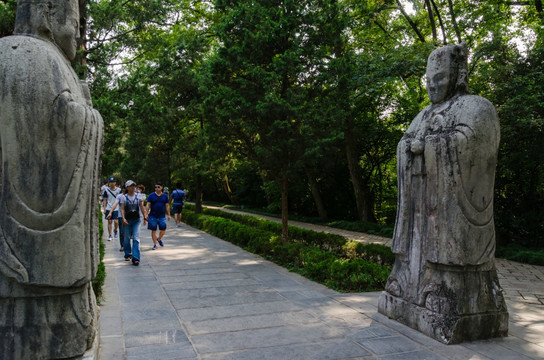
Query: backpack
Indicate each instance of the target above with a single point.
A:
(131, 209)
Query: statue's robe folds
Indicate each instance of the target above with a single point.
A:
(50, 143)
(444, 238)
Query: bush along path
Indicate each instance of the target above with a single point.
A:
(330, 259)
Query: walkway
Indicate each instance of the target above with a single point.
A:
(200, 297)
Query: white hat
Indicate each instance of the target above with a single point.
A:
(129, 182)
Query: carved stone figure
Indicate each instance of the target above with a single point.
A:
(50, 145)
(444, 282)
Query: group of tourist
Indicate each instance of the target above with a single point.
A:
(134, 207)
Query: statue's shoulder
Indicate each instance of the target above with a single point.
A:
(475, 103)
(24, 48)
(475, 109)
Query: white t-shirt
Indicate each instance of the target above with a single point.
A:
(111, 197)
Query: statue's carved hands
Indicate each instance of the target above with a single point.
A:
(417, 147)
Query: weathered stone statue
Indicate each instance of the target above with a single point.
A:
(444, 282)
(50, 145)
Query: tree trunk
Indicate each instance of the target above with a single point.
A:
(80, 62)
(454, 21)
(227, 189)
(198, 194)
(412, 24)
(364, 206)
(284, 209)
(431, 20)
(318, 199)
(440, 22)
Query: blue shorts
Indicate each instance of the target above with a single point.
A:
(152, 223)
(176, 209)
(114, 215)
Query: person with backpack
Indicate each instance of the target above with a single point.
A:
(108, 198)
(132, 204)
(176, 199)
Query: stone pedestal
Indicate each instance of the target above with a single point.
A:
(456, 306)
(49, 327)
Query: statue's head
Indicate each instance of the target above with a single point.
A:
(53, 20)
(447, 72)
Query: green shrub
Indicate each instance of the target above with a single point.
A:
(100, 276)
(288, 254)
(356, 275)
(521, 254)
(376, 253)
(319, 256)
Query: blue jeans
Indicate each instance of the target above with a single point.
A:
(121, 231)
(132, 229)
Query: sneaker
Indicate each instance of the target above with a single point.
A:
(160, 243)
(154, 247)
(109, 238)
(115, 234)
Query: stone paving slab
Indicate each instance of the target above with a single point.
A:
(202, 298)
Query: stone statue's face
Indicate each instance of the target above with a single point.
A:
(438, 77)
(65, 27)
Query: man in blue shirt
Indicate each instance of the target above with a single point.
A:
(157, 208)
(177, 198)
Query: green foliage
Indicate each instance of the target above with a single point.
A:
(374, 253)
(100, 277)
(521, 254)
(519, 187)
(7, 17)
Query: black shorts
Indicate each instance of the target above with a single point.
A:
(176, 209)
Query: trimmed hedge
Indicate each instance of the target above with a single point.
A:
(338, 244)
(318, 257)
(100, 277)
(521, 254)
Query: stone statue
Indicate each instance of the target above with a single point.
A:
(50, 145)
(444, 282)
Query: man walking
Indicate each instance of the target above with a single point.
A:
(157, 208)
(176, 199)
(109, 196)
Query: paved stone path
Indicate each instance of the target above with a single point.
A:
(200, 297)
